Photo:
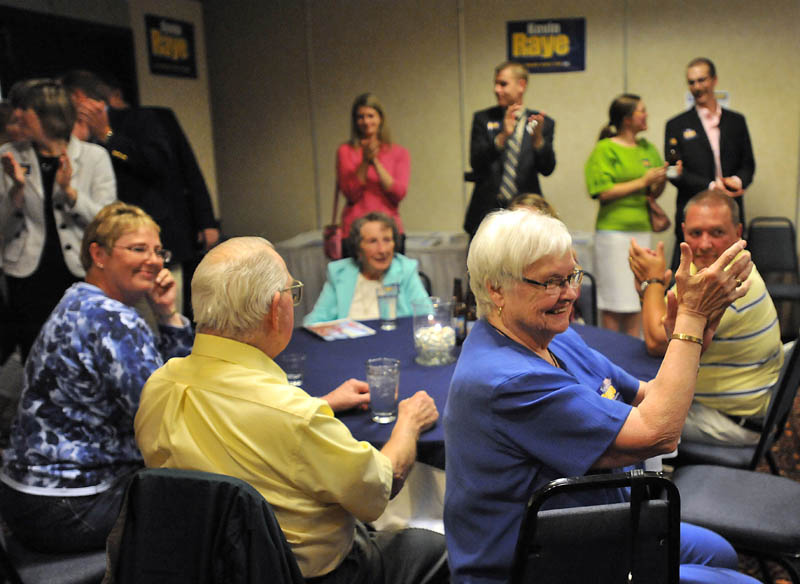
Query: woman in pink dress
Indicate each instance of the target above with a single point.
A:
(372, 172)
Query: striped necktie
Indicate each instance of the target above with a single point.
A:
(508, 184)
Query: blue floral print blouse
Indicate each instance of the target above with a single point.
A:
(73, 432)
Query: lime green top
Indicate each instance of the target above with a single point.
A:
(611, 163)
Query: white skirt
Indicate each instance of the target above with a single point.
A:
(616, 288)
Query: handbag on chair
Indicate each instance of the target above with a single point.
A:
(332, 234)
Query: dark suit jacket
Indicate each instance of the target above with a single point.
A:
(156, 170)
(141, 159)
(735, 152)
(190, 202)
(487, 163)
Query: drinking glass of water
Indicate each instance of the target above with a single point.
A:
(383, 378)
(294, 365)
(387, 306)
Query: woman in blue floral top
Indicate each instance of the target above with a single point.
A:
(72, 442)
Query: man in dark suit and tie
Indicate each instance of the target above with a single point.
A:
(713, 143)
(509, 147)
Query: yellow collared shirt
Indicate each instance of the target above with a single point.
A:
(228, 408)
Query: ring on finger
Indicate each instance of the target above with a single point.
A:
(738, 282)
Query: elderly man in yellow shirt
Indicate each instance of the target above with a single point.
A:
(228, 408)
(744, 359)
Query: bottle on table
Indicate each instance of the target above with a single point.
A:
(459, 311)
(472, 311)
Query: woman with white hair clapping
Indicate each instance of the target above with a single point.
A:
(530, 402)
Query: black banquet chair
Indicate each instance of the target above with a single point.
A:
(759, 513)
(586, 303)
(637, 541)
(193, 527)
(426, 283)
(749, 456)
(772, 242)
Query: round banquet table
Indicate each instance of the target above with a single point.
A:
(330, 363)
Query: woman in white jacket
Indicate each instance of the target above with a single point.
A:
(51, 187)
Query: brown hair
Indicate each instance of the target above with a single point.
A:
(368, 100)
(51, 102)
(712, 70)
(622, 107)
(709, 198)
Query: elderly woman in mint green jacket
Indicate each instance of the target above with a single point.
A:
(351, 288)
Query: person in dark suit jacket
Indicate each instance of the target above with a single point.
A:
(138, 146)
(155, 167)
(492, 129)
(726, 167)
(195, 227)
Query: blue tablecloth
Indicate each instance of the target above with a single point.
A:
(624, 350)
(329, 363)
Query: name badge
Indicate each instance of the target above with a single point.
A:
(608, 391)
(491, 126)
(689, 133)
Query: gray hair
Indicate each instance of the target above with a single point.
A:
(355, 238)
(233, 286)
(506, 243)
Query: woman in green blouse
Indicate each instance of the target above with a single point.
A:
(621, 173)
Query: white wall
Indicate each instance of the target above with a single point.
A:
(283, 76)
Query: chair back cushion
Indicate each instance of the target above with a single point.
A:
(194, 527)
(591, 544)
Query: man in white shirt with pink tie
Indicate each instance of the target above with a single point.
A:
(713, 143)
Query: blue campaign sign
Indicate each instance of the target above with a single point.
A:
(170, 46)
(548, 46)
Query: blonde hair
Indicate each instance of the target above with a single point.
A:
(535, 202)
(506, 243)
(111, 223)
(233, 287)
(518, 70)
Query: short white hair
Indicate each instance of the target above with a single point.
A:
(233, 287)
(506, 243)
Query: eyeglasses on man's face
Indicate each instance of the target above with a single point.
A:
(145, 251)
(297, 291)
(555, 284)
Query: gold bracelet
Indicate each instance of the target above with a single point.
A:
(685, 337)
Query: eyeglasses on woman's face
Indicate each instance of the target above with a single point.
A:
(144, 251)
(556, 284)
